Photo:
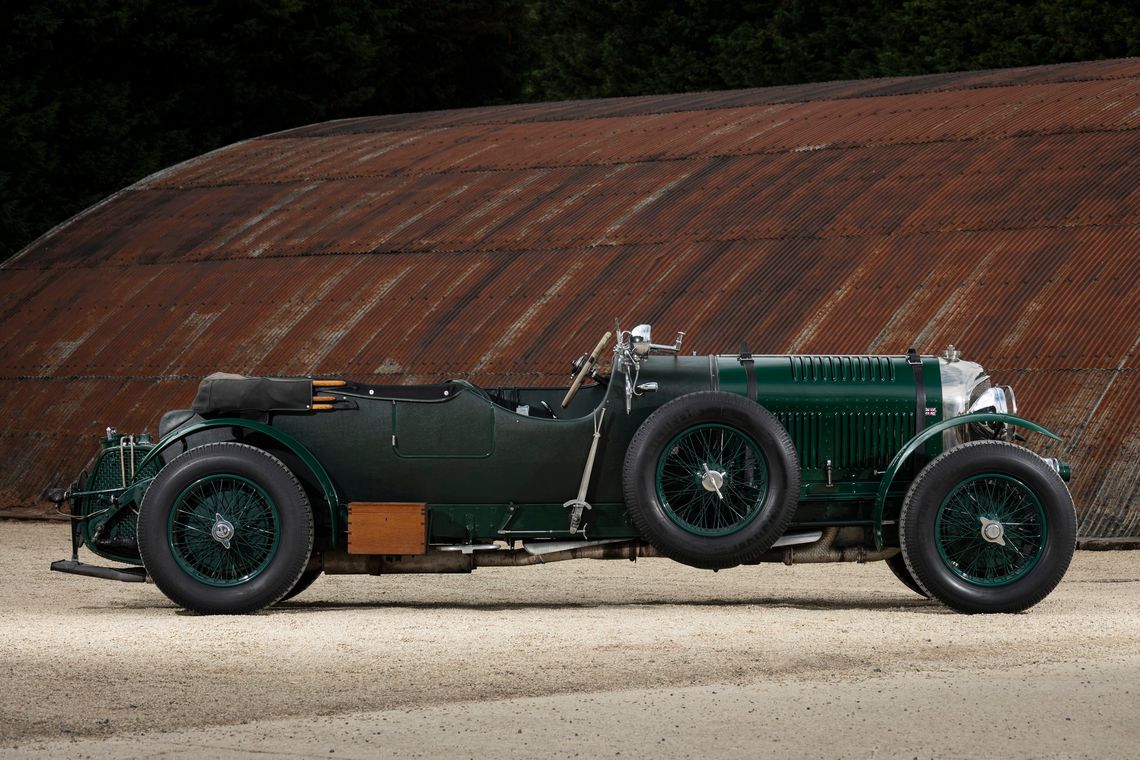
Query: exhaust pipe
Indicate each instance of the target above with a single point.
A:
(454, 560)
(825, 550)
(443, 561)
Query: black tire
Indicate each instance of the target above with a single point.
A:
(980, 487)
(308, 578)
(197, 561)
(897, 564)
(673, 496)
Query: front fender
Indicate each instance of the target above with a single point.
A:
(286, 440)
(914, 443)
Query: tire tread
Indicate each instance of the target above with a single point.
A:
(150, 554)
(911, 513)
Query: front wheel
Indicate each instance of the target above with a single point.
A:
(897, 565)
(225, 529)
(988, 527)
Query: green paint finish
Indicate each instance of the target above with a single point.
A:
(481, 523)
(980, 503)
(336, 522)
(712, 480)
(429, 431)
(919, 441)
(838, 491)
(532, 460)
(854, 411)
(490, 471)
(111, 514)
(834, 512)
(224, 530)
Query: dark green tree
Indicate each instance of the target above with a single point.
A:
(627, 47)
(95, 94)
(924, 36)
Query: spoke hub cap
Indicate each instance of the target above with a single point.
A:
(993, 531)
(712, 480)
(222, 531)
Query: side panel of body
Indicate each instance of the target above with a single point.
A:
(848, 416)
(481, 466)
(488, 472)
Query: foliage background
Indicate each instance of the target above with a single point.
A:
(95, 94)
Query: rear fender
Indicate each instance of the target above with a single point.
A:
(289, 442)
(917, 441)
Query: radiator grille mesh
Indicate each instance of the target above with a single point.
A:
(851, 440)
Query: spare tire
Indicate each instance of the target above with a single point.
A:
(711, 479)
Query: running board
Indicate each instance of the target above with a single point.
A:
(794, 539)
(75, 567)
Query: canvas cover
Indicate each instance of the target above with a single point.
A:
(225, 392)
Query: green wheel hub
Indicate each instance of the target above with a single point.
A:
(224, 530)
(990, 530)
(712, 480)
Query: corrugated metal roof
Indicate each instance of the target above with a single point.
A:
(995, 210)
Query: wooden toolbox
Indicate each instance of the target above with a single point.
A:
(387, 527)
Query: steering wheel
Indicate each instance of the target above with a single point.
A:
(585, 370)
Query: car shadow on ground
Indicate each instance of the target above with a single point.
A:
(294, 607)
(303, 606)
(823, 605)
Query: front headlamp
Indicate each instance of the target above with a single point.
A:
(999, 399)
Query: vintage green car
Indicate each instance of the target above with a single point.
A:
(712, 461)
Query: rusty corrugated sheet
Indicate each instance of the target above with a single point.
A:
(996, 210)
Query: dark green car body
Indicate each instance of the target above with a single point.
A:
(498, 471)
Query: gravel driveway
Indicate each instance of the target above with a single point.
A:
(582, 658)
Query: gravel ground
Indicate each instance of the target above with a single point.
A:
(579, 658)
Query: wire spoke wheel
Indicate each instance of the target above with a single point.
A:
(987, 527)
(226, 528)
(712, 479)
(990, 529)
(206, 548)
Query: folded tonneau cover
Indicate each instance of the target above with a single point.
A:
(225, 392)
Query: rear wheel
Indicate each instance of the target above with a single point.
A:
(225, 528)
(308, 578)
(988, 527)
